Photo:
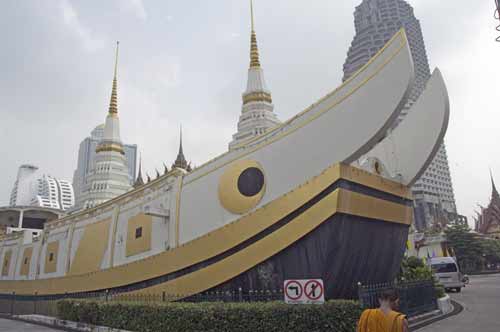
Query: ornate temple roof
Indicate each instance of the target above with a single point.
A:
(139, 181)
(180, 161)
(488, 221)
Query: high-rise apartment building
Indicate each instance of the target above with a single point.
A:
(376, 21)
(86, 156)
(34, 189)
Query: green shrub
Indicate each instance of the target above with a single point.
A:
(238, 317)
(439, 288)
(414, 269)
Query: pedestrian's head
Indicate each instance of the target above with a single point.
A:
(389, 297)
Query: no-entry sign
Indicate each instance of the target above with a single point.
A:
(304, 291)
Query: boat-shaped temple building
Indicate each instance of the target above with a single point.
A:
(325, 194)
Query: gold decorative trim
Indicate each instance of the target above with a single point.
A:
(374, 181)
(361, 205)
(256, 97)
(110, 147)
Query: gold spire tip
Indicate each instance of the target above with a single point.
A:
(254, 50)
(113, 104)
(116, 57)
(251, 14)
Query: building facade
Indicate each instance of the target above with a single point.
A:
(376, 21)
(109, 174)
(257, 112)
(34, 189)
(86, 157)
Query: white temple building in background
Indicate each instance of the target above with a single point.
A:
(109, 174)
(35, 189)
(257, 114)
(86, 156)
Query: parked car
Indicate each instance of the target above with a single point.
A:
(446, 269)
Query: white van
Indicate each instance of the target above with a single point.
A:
(446, 269)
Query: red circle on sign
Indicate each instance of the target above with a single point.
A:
(299, 290)
(318, 285)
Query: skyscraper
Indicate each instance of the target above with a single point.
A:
(376, 21)
(109, 175)
(257, 114)
(34, 189)
(86, 155)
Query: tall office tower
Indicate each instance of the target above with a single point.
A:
(86, 156)
(34, 189)
(376, 21)
(109, 174)
(257, 114)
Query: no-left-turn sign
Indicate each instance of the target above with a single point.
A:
(304, 291)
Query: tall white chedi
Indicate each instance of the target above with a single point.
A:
(109, 176)
(257, 114)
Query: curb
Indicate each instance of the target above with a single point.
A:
(59, 328)
(59, 324)
(423, 317)
(484, 273)
(457, 308)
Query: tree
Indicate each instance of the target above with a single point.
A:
(491, 251)
(413, 268)
(472, 251)
(466, 245)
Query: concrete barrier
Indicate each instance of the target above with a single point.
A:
(444, 305)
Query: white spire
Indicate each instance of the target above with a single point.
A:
(257, 111)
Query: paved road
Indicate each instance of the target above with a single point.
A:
(481, 301)
(7, 325)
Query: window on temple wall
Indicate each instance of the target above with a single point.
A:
(138, 232)
(51, 257)
(25, 260)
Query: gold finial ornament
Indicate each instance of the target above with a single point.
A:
(251, 13)
(113, 104)
(254, 50)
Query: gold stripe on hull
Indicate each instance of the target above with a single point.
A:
(202, 248)
(339, 201)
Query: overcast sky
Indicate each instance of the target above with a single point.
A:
(186, 62)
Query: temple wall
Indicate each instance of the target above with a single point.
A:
(132, 227)
(9, 253)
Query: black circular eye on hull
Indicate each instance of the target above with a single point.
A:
(250, 181)
(242, 186)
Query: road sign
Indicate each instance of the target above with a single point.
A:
(304, 291)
